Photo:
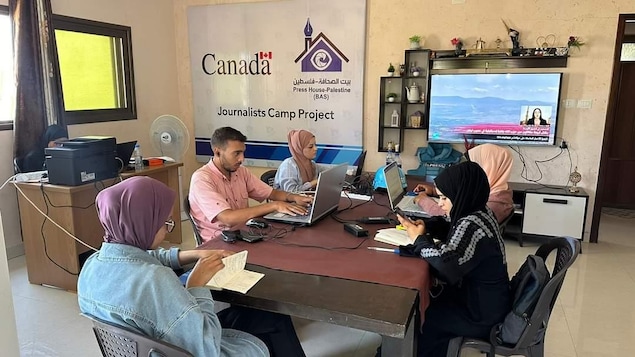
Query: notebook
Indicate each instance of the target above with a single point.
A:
(397, 194)
(124, 153)
(326, 200)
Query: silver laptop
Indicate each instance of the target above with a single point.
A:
(397, 194)
(326, 200)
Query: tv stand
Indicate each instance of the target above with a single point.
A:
(548, 210)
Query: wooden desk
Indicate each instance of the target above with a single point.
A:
(387, 309)
(73, 207)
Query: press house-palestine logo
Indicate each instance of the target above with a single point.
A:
(320, 54)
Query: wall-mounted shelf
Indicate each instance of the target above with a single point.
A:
(489, 62)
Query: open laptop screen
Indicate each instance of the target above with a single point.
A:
(393, 184)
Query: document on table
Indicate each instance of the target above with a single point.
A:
(234, 276)
(392, 236)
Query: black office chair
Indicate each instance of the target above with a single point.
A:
(117, 341)
(567, 250)
(268, 177)
(197, 234)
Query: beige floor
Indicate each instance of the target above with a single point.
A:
(594, 315)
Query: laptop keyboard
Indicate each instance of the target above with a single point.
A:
(408, 204)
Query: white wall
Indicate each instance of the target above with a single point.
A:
(154, 55)
(8, 333)
(8, 198)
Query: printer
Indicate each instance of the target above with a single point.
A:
(82, 160)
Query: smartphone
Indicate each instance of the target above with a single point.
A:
(402, 214)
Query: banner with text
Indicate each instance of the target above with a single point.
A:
(266, 68)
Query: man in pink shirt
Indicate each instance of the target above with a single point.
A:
(220, 190)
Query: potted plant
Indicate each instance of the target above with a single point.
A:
(415, 71)
(391, 70)
(574, 41)
(391, 97)
(414, 42)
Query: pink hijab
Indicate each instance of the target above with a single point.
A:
(298, 140)
(133, 211)
(496, 162)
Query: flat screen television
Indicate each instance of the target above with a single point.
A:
(510, 108)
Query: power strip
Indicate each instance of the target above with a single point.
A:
(356, 196)
(35, 176)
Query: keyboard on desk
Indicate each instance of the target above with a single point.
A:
(408, 205)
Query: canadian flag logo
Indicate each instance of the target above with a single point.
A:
(265, 55)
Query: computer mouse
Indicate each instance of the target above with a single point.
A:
(257, 223)
(230, 236)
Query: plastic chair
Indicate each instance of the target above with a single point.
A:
(268, 177)
(503, 224)
(197, 234)
(117, 341)
(567, 250)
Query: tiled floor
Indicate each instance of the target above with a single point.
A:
(594, 315)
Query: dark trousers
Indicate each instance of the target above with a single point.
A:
(275, 330)
(443, 322)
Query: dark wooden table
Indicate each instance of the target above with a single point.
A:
(390, 310)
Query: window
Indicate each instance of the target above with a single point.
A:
(7, 84)
(94, 60)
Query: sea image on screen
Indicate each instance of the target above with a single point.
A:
(498, 108)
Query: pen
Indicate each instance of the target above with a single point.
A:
(396, 251)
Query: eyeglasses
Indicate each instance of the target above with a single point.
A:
(169, 224)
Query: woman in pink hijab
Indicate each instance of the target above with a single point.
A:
(299, 172)
(497, 164)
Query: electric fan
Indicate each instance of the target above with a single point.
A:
(170, 137)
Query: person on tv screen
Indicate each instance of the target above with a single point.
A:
(469, 268)
(298, 172)
(536, 119)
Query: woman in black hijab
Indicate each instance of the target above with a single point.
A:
(34, 160)
(469, 263)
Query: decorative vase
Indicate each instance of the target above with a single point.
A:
(391, 99)
(415, 74)
(390, 74)
(414, 45)
(458, 50)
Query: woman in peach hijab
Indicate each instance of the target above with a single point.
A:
(496, 161)
(299, 172)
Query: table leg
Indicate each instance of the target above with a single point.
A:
(392, 346)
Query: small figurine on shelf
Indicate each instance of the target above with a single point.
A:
(391, 70)
(415, 42)
(513, 35)
(402, 69)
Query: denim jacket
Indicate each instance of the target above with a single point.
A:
(134, 288)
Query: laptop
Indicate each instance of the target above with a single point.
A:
(124, 153)
(326, 199)
(397, 194)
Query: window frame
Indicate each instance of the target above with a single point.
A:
(5, 124)
(129, 112)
